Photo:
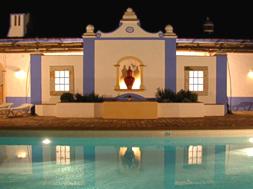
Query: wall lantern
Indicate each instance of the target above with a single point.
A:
(20, 74)
(250, 74)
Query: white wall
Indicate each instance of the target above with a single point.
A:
(210, 62)
(14, 86)
(239, 65)
(1, 74)
(47, 61)
(109, 52)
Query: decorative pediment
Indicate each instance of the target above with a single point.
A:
(129, 28)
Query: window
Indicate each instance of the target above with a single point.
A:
(63, 155)
(195, 155)
(196, 79)
(61, 80)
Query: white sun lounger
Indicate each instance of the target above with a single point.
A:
(5, 109)
(6, 105)
(22, 110)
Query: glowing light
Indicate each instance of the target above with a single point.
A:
(46, 141)
(251, 140)
(21, 155)
(137, 153)
(135, 150)
(246, 151)
(20, 74)
(249, 152)
(250, 74)
(137, 83)
(192, 53)
(63, 53)
(122, 84)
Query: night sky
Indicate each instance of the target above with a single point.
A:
(69, 18)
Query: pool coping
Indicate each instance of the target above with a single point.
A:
(129, 133)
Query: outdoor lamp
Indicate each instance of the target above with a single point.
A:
(250, 74)
(20, 74)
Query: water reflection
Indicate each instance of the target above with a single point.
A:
(95, 163)
(130, 157)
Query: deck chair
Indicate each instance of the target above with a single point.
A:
(5, 109)
(6, 105)
(22, 110)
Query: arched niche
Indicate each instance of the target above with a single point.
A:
(126, 67)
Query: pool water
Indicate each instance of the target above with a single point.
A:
(125, 163)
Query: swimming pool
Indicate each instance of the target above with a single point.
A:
(52, 162)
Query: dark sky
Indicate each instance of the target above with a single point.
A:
(68, 18)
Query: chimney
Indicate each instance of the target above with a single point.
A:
(208, 26)
(18, 25)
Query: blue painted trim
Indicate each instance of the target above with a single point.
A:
(37, 159)
(88, 65)
(89, 164)
(17, 101)
(169, 166)
(170, 64)
(220, 158)
(131, 38)
(234, 103)
(221, 79)
(36, 88)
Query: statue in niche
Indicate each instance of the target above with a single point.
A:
(129, 79)
(124, 72)
(136, 72)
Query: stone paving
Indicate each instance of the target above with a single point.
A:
(235, 121)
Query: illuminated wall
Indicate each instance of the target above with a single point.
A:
(239, 87)
(16, 76)
(240, 65)
(210, 62)
(109, 52)
(57, 60)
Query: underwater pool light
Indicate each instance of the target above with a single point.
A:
(46, 141)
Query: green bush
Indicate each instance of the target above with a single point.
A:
(167, 95)
(78, 97)
(91, 98)
(67, 97)
(186, 96)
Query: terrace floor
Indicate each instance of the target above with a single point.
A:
(241, 120)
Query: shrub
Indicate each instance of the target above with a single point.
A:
(167, 95)
(186, 96)
(67, 97)
(78, 97)
(92, 98)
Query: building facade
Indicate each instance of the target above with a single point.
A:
(38, 71)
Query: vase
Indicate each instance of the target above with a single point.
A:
(129, 79)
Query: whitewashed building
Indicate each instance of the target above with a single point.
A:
(39, 70)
